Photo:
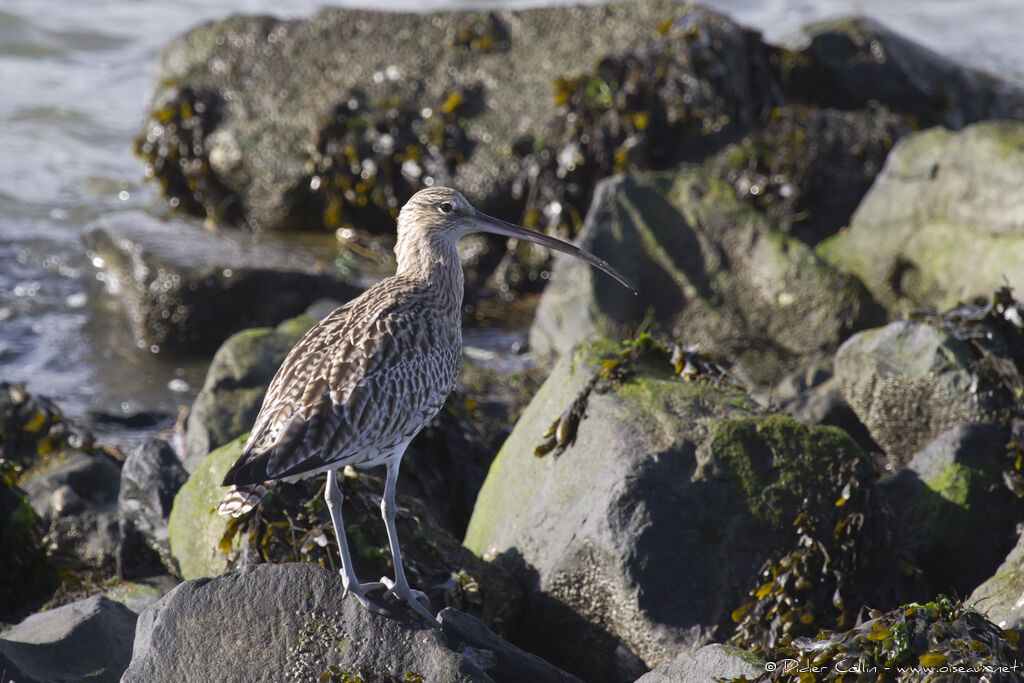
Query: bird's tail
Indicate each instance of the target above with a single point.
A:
(241, 499)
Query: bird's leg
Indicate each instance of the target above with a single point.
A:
(400, 586)
(334, 499)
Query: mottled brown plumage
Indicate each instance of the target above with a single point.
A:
(365, 380)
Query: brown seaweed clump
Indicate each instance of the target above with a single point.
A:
(173, 145)
(847, 554)
(369, 158)
(942, 640)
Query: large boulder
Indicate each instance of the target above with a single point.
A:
(711, 271)
(910, 381)
(647, 531)
(290, 622)
(86, 640)
(329, 129)
(186, 289)
(943, 222)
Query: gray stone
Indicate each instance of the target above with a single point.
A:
(710, 664)
(651, 526)
(850, 62)
(89, 639)
(290, 622)
(908, 382)
(75, 493)
(943, 222)
(711, 271)
(151, 475)
(959, 516)
(186, 289)
(1001, 596)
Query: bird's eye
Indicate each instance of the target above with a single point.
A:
(445, 207)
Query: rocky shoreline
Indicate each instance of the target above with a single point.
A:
(792, 447)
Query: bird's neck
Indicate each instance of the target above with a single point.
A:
(437, 266)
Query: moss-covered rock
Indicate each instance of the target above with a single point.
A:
(710, 269)
(942, 222)
(646, 528)
(195, 530)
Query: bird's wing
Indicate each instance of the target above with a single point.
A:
(365, 378)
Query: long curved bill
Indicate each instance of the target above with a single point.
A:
(485, 223)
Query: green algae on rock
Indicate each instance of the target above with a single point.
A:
(660, 471)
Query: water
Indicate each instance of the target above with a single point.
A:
(74, 81)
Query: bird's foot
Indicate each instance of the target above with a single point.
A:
(361, 589)
(412, 596)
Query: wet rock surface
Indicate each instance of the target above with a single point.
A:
(230, 627)
(185, 290)
(710, 663)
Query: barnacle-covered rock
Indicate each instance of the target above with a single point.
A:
(910, 381)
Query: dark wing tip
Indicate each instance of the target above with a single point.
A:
(247, 471)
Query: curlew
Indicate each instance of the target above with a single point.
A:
(365, 380)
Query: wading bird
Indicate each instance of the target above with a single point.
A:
(365, 380)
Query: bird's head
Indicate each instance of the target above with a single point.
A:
(441, 216)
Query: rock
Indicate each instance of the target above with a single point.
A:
(150, 477)
(807, 168)
(709, 664)
(909, 382)
(194, 528)
(186, 290)
(139, 594)
(1001, 596)
(712, 269)
(648, 530)
(290, 622)
(292, 524)
(815, 397)
(850, 62)
(943, 222)
(961, 518)
(501, 660)
(235, 384)
(314, 84)
(89, 639)
(75, 493)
